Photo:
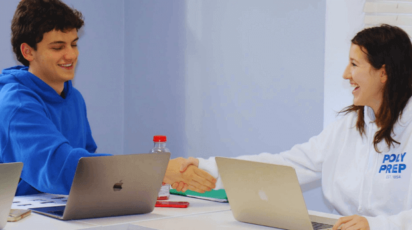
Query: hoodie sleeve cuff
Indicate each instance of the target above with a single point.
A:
(380, 223)
(210, 166)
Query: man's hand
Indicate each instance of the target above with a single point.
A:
(191, 178)
(354, 222)
(187, 162)
(180, 186)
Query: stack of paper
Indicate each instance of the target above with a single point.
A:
(38, 201)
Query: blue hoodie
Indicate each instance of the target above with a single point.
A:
(45, 131)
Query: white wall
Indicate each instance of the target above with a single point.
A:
(344, 18)
(100, 70)
(253, 75)
(7, 59)
(217, 77)
(154, 74)
(224, 78)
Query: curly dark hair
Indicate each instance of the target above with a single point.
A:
(34, 18)
(390, 46)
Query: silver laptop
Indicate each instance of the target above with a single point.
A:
(10, 175)
(267, 194)
(113, 186)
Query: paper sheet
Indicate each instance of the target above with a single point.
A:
(38, 201)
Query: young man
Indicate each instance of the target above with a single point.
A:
(43, 118)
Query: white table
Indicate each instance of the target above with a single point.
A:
(197, 206)
(200, 214)
(206, 221)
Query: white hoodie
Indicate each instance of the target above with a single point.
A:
(355, 178)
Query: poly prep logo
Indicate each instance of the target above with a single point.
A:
(393, 165)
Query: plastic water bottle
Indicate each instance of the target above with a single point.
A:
(160, 147)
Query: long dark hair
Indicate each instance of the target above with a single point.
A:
(390, 46)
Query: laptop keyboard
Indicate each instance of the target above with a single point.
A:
(319, 226)
(54, 210)
(57, 213)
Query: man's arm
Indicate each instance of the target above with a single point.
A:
(49, 159)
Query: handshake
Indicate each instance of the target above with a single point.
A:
(184, 174)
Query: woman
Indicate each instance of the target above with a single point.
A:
(365, 158)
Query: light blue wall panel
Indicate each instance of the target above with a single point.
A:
(100, 70)
(226, 77)
(254, 75)
(154, 74)
(7, 58)
(240, 77)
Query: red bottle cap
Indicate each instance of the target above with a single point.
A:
(159, 138)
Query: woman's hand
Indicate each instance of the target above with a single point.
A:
(181, 186)
(354, 222)
(184, 174)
